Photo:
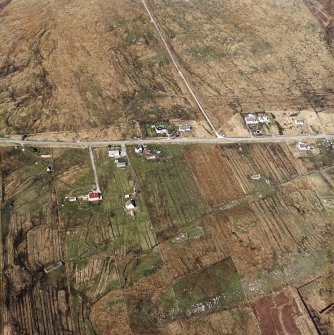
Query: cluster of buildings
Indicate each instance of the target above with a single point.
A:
(162, 129)
(254, 122)
(92, 196)
(256, 118)
(148, 154)
(119, 154)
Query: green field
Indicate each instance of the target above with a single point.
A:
(170, 191)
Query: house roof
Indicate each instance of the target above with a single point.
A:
(93, 195)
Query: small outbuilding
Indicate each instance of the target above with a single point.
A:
(121, 165)
(185, 127)
(263, 118)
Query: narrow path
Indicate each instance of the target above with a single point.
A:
(180, 72)
(97, 185)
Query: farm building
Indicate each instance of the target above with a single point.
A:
(71, 199)
(45, 156)
(251, 119)
(121, 165)
(185, 127)
(303, 146)
(114, 152)
(49, 168)
(94, 196)
(139, 149)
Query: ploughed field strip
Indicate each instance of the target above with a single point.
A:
(34, 302)
(178, 239)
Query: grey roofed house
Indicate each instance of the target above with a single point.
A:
(303, 146)
(251, 119)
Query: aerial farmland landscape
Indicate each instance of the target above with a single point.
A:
(167, 167)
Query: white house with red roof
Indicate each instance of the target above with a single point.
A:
(94, 196)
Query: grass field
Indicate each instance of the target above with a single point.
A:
(170, 191)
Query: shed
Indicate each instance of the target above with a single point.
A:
(121, 165)
(185, 127)
(263, 118)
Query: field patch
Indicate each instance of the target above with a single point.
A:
(216, 287)
(282, 313)
(214, 176)
(169, 190)
(260, 167)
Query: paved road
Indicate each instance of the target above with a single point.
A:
(165, 140)
(201, 108)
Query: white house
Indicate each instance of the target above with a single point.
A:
(131, 204)
(251, 119)
(160, 129)
(139, 149)
(299, 122)
(114, 153)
